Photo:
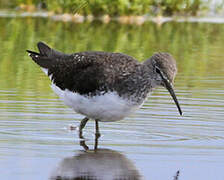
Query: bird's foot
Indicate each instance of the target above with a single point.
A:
(83, 144)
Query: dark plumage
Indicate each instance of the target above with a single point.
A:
(92, 74)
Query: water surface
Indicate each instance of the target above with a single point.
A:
(155, 142)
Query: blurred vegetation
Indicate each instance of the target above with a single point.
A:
(198, 48)
(112, 7)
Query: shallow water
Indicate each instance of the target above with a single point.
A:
(155, 142)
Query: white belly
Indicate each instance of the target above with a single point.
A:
(107, 107)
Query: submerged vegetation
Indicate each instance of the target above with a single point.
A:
(112, 7)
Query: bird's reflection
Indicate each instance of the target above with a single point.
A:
(96, 164)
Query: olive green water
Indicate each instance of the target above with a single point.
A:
(155, 142)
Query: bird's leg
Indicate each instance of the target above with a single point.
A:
(81, 126)
(96, 143)
(97, 133)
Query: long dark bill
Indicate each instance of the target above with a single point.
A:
(169, 87)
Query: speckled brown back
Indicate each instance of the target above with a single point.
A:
(94, 73)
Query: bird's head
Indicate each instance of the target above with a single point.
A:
(163, 67)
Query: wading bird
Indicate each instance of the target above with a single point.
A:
(105, 86)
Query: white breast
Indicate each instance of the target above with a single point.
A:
(106, 107)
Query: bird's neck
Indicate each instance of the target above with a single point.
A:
(149, 65)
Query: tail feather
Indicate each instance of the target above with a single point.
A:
(42, 61)
(33, 53)
(44, 49)
(46, 56)
(47, 51)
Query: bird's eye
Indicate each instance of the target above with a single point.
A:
(157, 70)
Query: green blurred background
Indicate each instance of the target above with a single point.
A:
(115, 7)
(196, 46)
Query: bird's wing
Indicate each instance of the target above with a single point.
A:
(85, 72)
(78, 73)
